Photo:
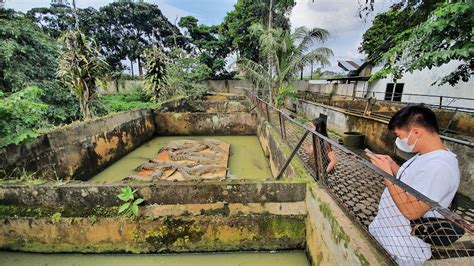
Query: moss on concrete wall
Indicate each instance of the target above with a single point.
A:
(164, 234)
(80, 150)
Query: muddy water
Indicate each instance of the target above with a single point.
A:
(294, 258)
(246, 161)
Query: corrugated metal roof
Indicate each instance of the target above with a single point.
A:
(349, 65)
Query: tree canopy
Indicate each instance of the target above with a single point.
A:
(414, 35)
(121, 29)
(237, 23)
(26, 54)
(208, 45)
(287, 54)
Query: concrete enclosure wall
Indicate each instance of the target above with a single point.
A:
(175, 217)
(239, 123)
(227, 86)
(80, 150)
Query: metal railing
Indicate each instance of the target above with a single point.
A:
(433, 101)
(359, 187)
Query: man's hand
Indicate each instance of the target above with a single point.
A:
(383, 162)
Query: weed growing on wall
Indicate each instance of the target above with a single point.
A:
(130, 207)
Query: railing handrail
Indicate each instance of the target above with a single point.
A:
(453, 217)
(455, 140)
(447, 107)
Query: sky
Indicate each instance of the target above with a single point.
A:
(339, 17)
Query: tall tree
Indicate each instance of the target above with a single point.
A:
(237, 22)
(122, 29)
(127, 28)
(207, 44)
(82, 68)
(288, 52)
(423, 34)
(26, 53)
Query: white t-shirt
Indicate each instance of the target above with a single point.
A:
(435, 175)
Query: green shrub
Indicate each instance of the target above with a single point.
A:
(133, 99)
(22, 115)
(63, 107)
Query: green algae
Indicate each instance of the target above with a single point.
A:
(14, 211)
(337, 232)
(231, 259)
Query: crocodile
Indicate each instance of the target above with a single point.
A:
(213, 145)
(197, 158)
(201, 169)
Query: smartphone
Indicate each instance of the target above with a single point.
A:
(369, 152)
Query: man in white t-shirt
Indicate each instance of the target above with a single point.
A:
(433, 171)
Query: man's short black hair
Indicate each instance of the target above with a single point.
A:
(414, 115)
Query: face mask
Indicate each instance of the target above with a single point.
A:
(402, 144)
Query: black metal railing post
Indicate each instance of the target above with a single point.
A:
(281, 127)
(315, 155)
(268, 114)
(295, 149)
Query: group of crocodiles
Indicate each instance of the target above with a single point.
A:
(189, 157)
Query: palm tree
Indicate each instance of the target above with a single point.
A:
(82, 68)
(285, 54)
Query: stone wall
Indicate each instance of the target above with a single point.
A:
(332, 238)
(182, 124)
(174, 217)
(227, 86)
(80, 150)
(456, 121)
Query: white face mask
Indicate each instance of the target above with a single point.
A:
(402, 144)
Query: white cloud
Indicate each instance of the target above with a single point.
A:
(170, 11)
(341, 19)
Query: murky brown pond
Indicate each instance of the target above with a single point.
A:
(293, 258)
(246, 161)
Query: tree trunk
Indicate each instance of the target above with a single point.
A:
(301, 74)
(84, 103)
(116, 85)
(131, 67)
(270, 18)
(140, 70)
(311, 75)
(74, 12)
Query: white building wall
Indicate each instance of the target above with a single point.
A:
(419, 82)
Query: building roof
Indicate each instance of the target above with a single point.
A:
(350, 78)
(349, 65)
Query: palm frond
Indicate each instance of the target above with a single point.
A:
(306, 38)
(298, 61)
(257, 73)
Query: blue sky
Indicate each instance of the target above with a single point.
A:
(337, 16)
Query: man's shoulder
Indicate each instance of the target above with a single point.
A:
(440, 159)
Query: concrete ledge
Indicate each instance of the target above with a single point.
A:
(238, 123)
(77, 196)
(332, 238)
(164, 234)
(200, 106)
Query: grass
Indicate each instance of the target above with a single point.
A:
(126, 101)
